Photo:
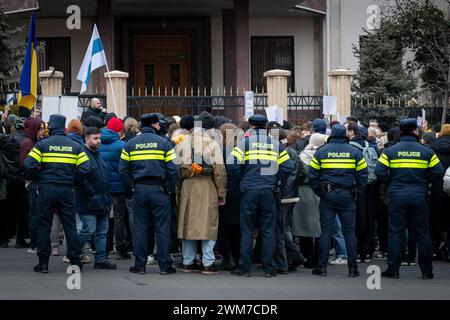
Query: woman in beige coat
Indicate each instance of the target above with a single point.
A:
(201, 190)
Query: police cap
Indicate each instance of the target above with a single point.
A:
(258, 120)
(408, 125)
(338, 131)
(148, 119)
(56, 121)
(319, 126)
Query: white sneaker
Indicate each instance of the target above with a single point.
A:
(151, 260)
(66, 260)
(339, 261)
(32, 250)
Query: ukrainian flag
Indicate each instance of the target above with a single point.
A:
(28, 77)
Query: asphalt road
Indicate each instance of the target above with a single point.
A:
(18, 281)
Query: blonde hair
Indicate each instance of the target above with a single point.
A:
(131, 125)
(445, 130)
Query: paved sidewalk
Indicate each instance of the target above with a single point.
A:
(18, 281)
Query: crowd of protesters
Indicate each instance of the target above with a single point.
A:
(207, 211)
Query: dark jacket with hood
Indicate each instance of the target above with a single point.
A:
(57, 159)
(92, 192)
(9, 158)
(76, 137)
(32, 126)
(440, 201)
(110, 151)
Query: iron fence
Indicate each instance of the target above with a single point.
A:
(393, 114)
(300, 108)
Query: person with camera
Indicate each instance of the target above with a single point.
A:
(338, 175)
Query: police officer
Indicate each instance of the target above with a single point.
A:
(55, 163)
(148, 160)
(260, 162)
(337, 174)
(406, 168)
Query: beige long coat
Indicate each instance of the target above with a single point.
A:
(198, 195)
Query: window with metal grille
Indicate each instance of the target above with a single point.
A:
(270, 53)
(55, 52)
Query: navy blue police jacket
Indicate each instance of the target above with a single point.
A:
(148, 156)
(57, 160)
(408, 166)
(339, 164)
(259, 162)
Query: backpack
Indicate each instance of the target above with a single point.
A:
(371, 157)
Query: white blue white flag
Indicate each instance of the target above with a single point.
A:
(93, 59)
(10, 99)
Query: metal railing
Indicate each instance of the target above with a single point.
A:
(300, 108)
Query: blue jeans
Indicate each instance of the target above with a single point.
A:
(254, 203)
(97, 226)
(32, 200)
(189, 249)
(337, 203)
(338, 240)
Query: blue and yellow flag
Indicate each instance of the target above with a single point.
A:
(29, 77)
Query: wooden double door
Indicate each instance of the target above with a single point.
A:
(162, 64)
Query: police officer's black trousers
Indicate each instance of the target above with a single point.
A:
(287, 251)
(412, 207)
(148, 200)
(254, 202)
(338, 202)
(61, 198)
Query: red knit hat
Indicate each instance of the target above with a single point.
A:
(115, 124)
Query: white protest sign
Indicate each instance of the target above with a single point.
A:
(419, 121)
(274, 113)
(64, 105)
(342, 119)
(248, 104)
(329, 105)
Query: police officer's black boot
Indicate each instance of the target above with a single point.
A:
(353, 271)
(320, 272)
(41, 267)
(390, 273)
(140, 270)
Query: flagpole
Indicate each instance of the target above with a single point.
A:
(110, 82)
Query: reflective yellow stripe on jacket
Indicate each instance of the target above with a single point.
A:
(54, 157)
(36, 154)
(148, 155)
(284, 156)
(338, 164)
(82, 158)
(238, 153)
(406, 163)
